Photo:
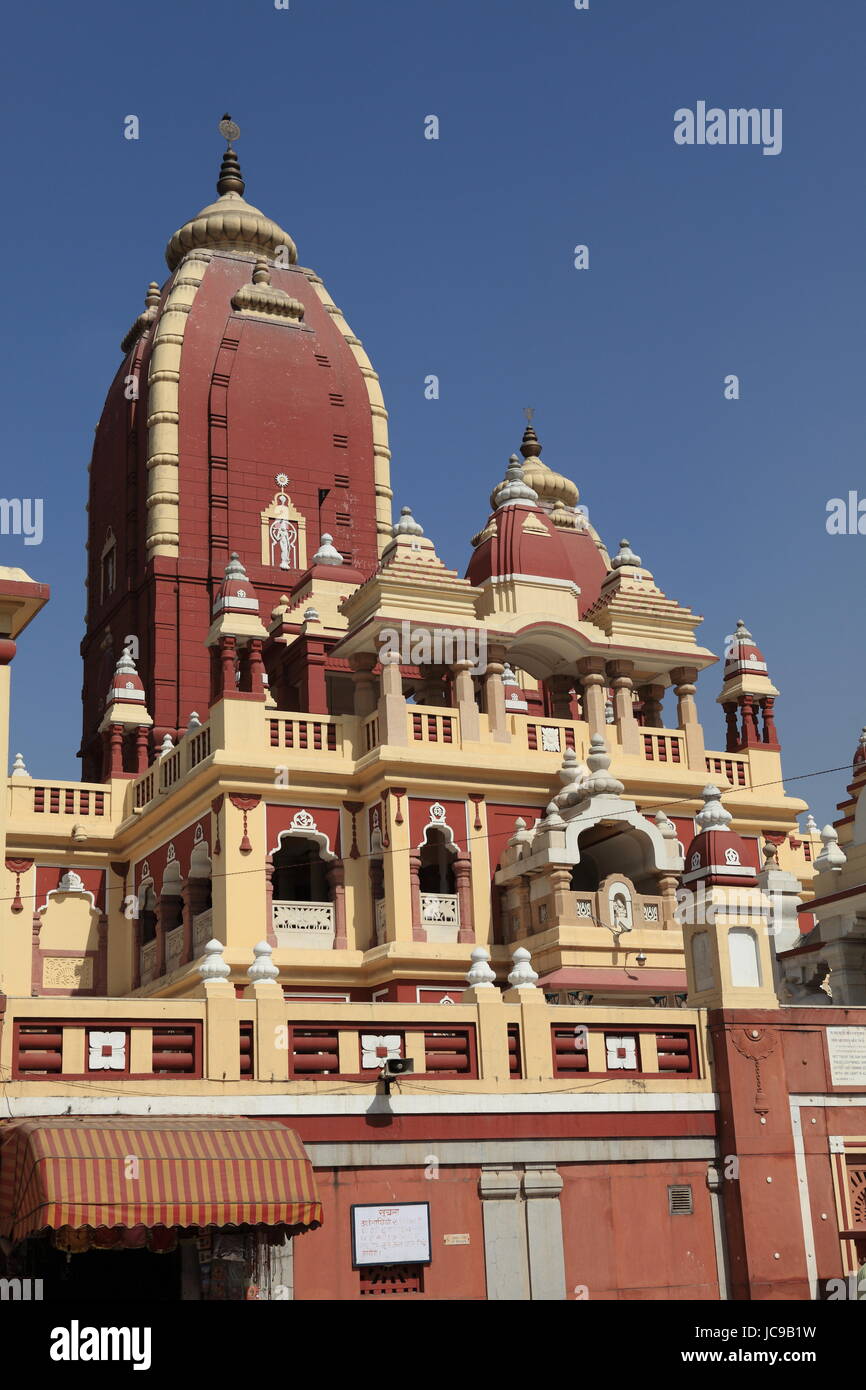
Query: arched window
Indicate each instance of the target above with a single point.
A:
(147, 915)
(300, 874)
(437, 864)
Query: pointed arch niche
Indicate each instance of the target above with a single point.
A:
(307, 889)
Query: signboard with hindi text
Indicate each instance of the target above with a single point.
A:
(391, 1234)
(847, 1049)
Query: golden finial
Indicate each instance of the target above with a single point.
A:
(230, 179)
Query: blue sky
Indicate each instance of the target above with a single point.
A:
(455, 257)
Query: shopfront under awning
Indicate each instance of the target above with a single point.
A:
(90, 1174)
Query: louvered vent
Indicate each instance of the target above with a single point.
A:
(322, 360)
(335, 398)
(680, 1202)
(341, 480)
(341, 441)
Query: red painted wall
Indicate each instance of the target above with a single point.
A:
(621, 1241)
(323, 1258)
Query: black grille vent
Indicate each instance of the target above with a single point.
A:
(680, 1201)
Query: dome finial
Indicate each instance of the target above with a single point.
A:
(530, 448)
(231, 178)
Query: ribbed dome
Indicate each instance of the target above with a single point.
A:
(551, 487)
(230, 224)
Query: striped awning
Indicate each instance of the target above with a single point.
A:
(91, 1173)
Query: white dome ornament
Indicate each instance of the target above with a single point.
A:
(712, 815)
(831, 856)
(522, 974)
(327, 553)
(626, 557)
(18, 768)
(601, 782)
(263, 967)
(166, 746)
(513, 489)
(213, 967)
(194, 722)
(407, 525)
(479, 975)
(811, 825)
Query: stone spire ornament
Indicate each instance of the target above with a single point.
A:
(311, 615)
(571, 774)
(811, 825)
(213, 967)
(479, 975)
(194, 722)
(513, 488)
(860, 751)
(18, 768)
(166, 746)
(263, 967)
(831, 856)
(327, 553)
(626, 557)
(407, 525)
(522, 974)
(712, 815)
(230, 179)
(601, 782)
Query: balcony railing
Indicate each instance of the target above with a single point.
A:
(440, 914)
(309, 926)
(173, 949)
(202, 930)
(147, 960)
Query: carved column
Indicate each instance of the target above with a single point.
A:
(256, 666)
(593, 682)
(115, 755)
(652, 696)
(337, 882)
(464, 691)
(667, 885)
(418, 932)
(362, 664)
(684, 678)
(142, 748)
(228, 664)
(560, 888)
(463, 884)
(771, 736)
(392, 703)
(100, 973)
(627, 726)
(559, 688)
(751, 737)
(494, 694)
(732, 740)
(314, 678)
(270, 934)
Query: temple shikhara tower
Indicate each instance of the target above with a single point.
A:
(361, 836)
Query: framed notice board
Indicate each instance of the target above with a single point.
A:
(393, 1233)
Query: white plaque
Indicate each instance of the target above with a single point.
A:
(391, 1234)
(847, 1048)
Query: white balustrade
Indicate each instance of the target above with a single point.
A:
(309, 926)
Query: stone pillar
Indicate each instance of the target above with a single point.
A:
(392, 703)
(142, 748)
(337, 882)
(115, 755)
(560, 696)
(732, 740)
(771, 736)
(463, 883)
(652, 696)
(100, 973)
(431, 688)
(494, 694)
(464, 692)
(542, 1185)
(418, 932)
(256, 667)
(270, 934)
(228, 664)
(593, 682)
(668, 885)
(505, 1250)
(627, 726)
(684, 678)
(362, 664)
(751, 737)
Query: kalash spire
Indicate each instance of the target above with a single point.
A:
(231, 223)
(245, 418)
